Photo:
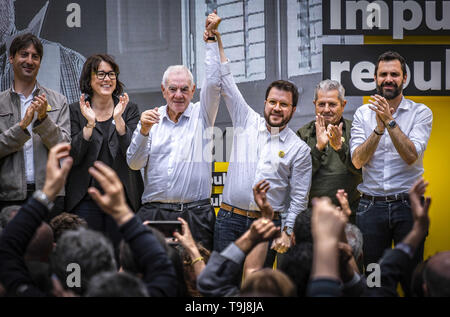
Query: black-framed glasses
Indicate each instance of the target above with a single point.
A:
(273, 103)
(102, 75)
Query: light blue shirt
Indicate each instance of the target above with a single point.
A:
(175, 159)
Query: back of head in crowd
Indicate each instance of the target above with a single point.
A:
(87, 248)
(297, 264)
(436, 275)
(113, 284)
(267, 283)
(65, 222)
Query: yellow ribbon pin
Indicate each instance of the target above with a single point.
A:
(281, 154)
(343, 139)
(49, 108)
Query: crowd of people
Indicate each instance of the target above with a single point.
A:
(312, 213)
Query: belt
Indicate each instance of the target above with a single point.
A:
(396, 197)
(182, 206)
(31, 187)
(246, 213)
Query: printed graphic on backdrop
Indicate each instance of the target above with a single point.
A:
(354, 65)
(396, 18)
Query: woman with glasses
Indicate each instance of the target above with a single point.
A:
(102, 124)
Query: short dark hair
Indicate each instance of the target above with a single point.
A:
(92, 251)
(66, 221)
(438, 284)
(286, 86)
(302, 227)
(91, 66)
(114, 284)
(25, 40)
(391, 56)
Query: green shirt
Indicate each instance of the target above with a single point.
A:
(332, 170)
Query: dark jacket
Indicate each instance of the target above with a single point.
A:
(332, 170)
(159, 274)
(85, 153)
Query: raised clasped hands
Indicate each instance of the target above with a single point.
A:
(384, 112)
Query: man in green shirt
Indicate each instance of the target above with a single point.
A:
(328, 137)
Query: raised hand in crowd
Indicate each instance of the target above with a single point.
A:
(419, 213)
(113, 200)
(259, 193)
(89, 114)
(148, 119)
(56, 175)
(187, 241)
(342, 197)
(334, 134)
(118, 111)
(40, 105)
(327, 226)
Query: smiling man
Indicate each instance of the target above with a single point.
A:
(32, 120)
(172, 148)
(389, 138)
(263, 148)
(329, 139)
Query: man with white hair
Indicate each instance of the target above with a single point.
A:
(328, 136)
(173, 149)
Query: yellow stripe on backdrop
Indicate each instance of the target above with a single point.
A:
(437, 154)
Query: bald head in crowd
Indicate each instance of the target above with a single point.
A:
(437, 275)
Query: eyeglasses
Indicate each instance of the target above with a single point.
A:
(273, 103)
(102, 75)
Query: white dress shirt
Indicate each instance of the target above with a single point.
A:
(175, 159)
(25, 102)
(283, 159)
(386, 173)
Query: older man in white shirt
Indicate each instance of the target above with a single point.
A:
(173, 149)
(389, 138)
(263, 148)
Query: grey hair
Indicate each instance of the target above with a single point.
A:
(327, 85)
(354, 239)
(176, 69)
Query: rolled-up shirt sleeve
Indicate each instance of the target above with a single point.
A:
(300, 184)
(420, 134)
(358, 136)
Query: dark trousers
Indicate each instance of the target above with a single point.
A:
(200, 218)
(98, 220)
(231, 226)
(382, 223)
(57, 209)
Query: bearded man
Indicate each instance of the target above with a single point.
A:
(388, 140)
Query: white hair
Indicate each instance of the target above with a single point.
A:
(176, 69)
(327, 85)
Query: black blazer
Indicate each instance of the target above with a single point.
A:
(85, 153)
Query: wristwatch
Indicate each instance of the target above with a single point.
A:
(41, 197)
(392, 124)
(288, 230)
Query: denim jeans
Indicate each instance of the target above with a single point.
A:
(384, 222)
(230, 226)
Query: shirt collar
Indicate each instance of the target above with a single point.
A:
(186, 113)
(404, 104)
(283, 134)
(35, 91)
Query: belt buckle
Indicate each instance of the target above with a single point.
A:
(180, 209)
